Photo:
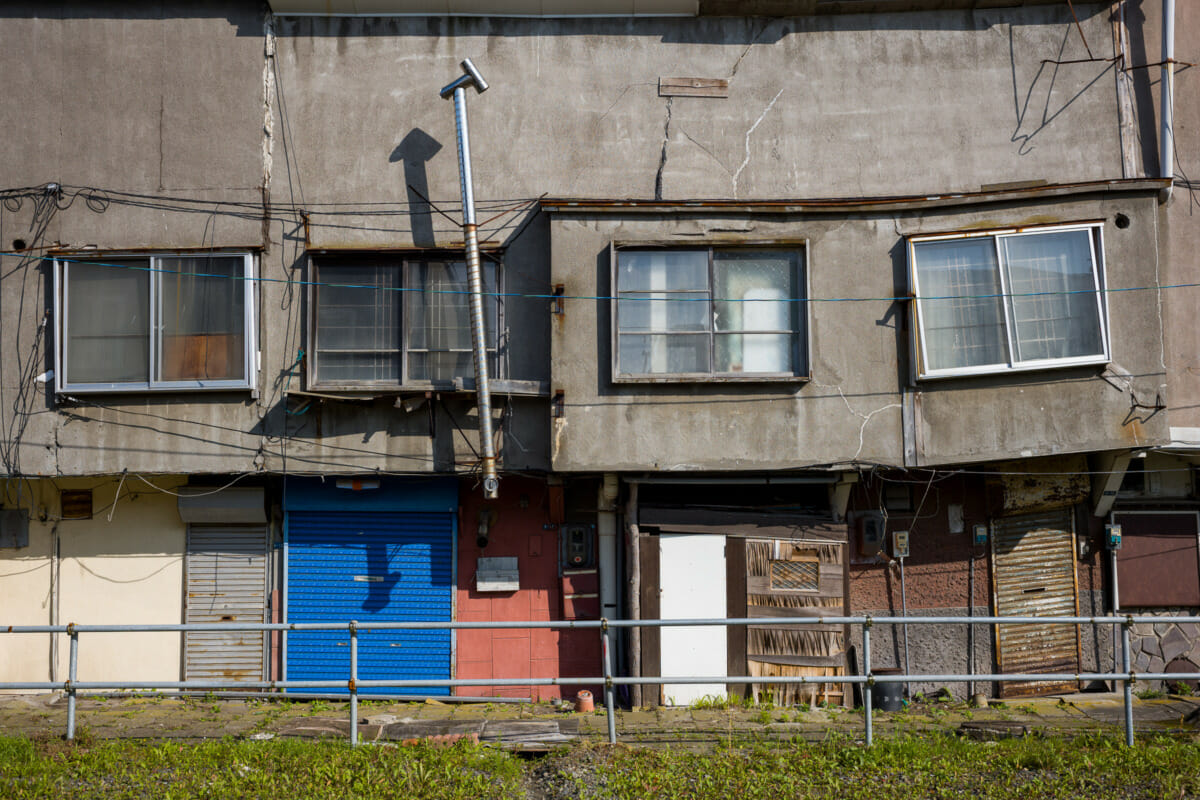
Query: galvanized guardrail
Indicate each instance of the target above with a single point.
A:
(353, 684)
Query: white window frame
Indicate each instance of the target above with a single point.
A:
(323, 264)
(62, 267)
(801, 338)
(918, 340)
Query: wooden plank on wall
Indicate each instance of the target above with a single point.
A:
(735, 602)
(832, 585)
(693, 87)
(651, 609)
(834, 660)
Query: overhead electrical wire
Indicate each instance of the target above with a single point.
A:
(76, 259)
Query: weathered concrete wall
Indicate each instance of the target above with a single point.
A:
(168, 125)
(1060, 411)
(817, 106)
(128, 570)
(851, 408)
(934, 649)
(1180, 220)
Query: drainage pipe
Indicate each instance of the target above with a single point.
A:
(606, 530)
(1166, 148)
(487, 447)
(904, 626)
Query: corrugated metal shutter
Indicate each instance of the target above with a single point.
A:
(370, 567)
(226, 582)
(1033, 570)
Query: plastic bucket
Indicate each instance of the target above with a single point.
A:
(887, 696)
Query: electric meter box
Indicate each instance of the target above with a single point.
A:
(1112, 537)
(900, 544)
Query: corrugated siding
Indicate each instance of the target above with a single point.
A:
(1033, 567)
(370, 567)
(226, 582)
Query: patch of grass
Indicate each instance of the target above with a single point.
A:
(272, 769)
(1150, 694)
(936, 766)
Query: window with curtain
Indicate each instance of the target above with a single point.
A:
(157, 322)
(1009, 300)
(696, 313)
(382, 321)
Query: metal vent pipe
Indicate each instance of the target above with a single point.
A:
(1166, 137)
(487, 447)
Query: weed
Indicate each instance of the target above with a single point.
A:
(1150, 694)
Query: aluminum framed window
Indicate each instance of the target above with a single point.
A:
(397, 322)
(1008, 300)
(180, 321)
(709, 313)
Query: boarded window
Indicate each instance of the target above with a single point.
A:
(801, 574)
(1159, 562)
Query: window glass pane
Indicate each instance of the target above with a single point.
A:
(671, 270)
(108, 322)
(753, 289)
(439, 319)
(358, 323)
(645, 312)
(962, 318)
(202, 303)
(754, 352)
(640, 354)
(1053, 302)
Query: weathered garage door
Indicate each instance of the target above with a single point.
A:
(226, 569)
(1033, 573)
(370, 567)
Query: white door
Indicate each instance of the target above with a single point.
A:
(692, 583)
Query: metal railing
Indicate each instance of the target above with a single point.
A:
(353, 684)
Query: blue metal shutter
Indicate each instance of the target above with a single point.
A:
(370, 567)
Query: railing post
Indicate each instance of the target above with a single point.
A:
(71, 672)
(1125, 626)
(870, 733)
(608, 684)
(353, 683)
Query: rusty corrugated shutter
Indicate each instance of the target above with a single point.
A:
(226, 582)
(1033, 573)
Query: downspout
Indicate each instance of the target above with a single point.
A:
(606, 530)
(487, 447)
(1166, 147)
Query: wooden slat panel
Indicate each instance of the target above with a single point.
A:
(651, 637)
(755, 610)
(831, 585)
(735, 599)
(834, 660)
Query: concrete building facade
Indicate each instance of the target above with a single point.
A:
(764, 284)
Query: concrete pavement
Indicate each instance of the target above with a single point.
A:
(540, 726)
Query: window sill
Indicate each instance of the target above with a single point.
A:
(1040, 366)
(457, 386)
(705, 378)
(119, 388)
